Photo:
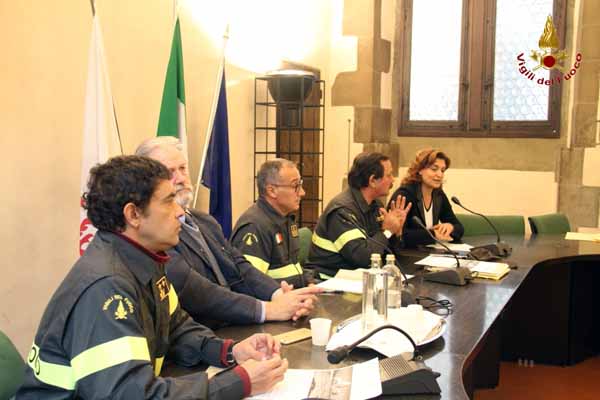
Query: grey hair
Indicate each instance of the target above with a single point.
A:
(148, 146)
(268, 174)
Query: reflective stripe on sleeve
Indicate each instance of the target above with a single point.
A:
(173, 300)
(340, 242)
(158, 365)
(285, 271)
(257, 263)
(90, 361)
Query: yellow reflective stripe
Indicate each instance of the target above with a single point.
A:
(348, 236)
(340, 242)
(109, 354)
(49, 373)
(323, 243)
(286, 271)
(173, 300)
(258, 263)
(90, 361)
(158, 365)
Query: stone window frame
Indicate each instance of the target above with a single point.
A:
(476, 76)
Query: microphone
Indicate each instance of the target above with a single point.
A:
(398, 376)
(454, 276)
(338, 354)
(408, 291)
(500, 248)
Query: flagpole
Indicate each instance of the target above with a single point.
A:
(114, 111)
(213, 111)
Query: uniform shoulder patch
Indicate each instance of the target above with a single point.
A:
(119, 305)
(249, 239)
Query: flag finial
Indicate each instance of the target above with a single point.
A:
(93, 4)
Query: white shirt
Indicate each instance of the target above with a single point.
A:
(429, 215)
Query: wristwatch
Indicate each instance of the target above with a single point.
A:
(387, 233)
(229, 357)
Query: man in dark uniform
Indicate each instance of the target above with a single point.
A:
(267, 233)
(115, 317)
(215, 283)
(355, 223)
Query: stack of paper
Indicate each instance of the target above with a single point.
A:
(348, 280)
(480, 269)
(590, 237)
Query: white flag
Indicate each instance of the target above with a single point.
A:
(100, 134)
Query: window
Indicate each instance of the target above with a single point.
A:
(459, 71)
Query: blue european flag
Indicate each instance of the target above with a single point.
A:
(216, 170)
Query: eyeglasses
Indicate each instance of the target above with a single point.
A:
(297, 186)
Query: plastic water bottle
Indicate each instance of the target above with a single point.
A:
(374, 301)
(396, 284)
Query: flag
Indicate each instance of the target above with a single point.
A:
(100, 134)
(215, 170)
(171, 121)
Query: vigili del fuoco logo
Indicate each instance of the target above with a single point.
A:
(549, 57)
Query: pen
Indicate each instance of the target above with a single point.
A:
(333, 292)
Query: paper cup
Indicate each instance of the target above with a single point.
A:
(320, 328)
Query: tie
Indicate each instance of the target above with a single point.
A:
(198, 237)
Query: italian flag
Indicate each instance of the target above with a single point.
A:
(171, 121)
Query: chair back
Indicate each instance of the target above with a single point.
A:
(305, 235)
(549, 223)
(506, 224)
(12, 368)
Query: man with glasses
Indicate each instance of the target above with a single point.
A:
(267, 233)
(216, 285)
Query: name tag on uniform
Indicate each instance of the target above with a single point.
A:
(163, 287)
(294, 230)
(278, 238)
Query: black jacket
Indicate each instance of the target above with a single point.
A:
(270, 242)
(347, 233)
(412, 233)
(108, 328)
(200, 294)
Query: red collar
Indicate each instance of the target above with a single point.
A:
(160, 257)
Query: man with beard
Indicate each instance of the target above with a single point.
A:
(215, 283)
(355, 223)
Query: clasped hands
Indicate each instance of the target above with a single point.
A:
(260, 356)
(287, 303)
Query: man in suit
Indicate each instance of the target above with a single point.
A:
(215, 283)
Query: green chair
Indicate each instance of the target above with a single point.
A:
(12, 368)
(549, 223)
(305, 239)
(506, 224)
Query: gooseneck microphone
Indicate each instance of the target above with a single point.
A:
(453, 276)
(500, 248)
(336, 355)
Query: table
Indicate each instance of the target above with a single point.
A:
(543, 310)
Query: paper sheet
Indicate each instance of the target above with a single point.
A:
(358, 381)
(458, 247)
(590, 237)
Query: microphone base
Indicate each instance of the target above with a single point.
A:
(450, 276)
(408, 295)
(402, 377)
(500, 249)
